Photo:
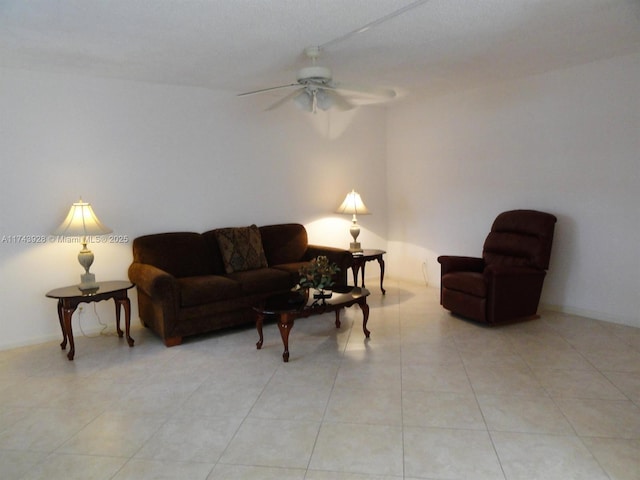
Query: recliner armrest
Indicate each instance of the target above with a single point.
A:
(452, 263)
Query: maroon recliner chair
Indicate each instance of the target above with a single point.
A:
(505, 284)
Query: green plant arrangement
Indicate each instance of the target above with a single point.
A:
(318, 274)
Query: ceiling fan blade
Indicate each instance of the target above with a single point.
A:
(338, 101)
(284, 99)
(372, 94)
(262, 90)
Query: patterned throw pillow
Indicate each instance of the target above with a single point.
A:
(241, 248)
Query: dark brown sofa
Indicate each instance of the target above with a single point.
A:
(191, 283)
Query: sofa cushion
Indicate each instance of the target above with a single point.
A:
(262, 280)
(217, 263)
(241, 248)
(182, 254)
(285, 243)
(207, 289)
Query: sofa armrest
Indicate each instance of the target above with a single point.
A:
(156, 283)
(451, 263)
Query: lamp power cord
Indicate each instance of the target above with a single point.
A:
(103, 330)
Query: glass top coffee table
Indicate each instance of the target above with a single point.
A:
(286, 307)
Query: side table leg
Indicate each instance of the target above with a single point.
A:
(118, 302)
(338, 318)
(67, 313)
(126, 305)
(381, 262)
(259, 320)
(364, 264)
(365, 317)
(127, 320)
(63, 345)
(285, 324)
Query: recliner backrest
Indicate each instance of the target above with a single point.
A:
(520, 238)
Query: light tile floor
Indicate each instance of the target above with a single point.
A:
(429, 396)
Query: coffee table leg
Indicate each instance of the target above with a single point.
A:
(285, 324)
(259, 320)
(365, 317)
(338, 318)
(381, 263)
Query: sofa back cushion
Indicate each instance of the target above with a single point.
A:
(182, 254)
(217, 264)
(284, 243)
(241, 248)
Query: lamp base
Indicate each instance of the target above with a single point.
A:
(88, 282)
(355, 247)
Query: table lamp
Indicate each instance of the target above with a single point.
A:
(82, 222)
(353, 205)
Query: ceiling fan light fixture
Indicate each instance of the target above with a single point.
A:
(304, 100)
(312, 98)
(323, 100)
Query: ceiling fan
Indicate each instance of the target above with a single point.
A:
(315, 89)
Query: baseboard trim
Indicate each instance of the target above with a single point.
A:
(595, 315)
(95, 330)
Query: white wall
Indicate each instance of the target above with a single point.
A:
(156, 158)
(567, 142)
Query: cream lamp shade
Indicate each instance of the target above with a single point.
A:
(353, 205)
(82, 222)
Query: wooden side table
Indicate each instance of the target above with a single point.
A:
(70, 297)
(359, 261)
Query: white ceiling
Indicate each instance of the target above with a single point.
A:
(241, 45)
